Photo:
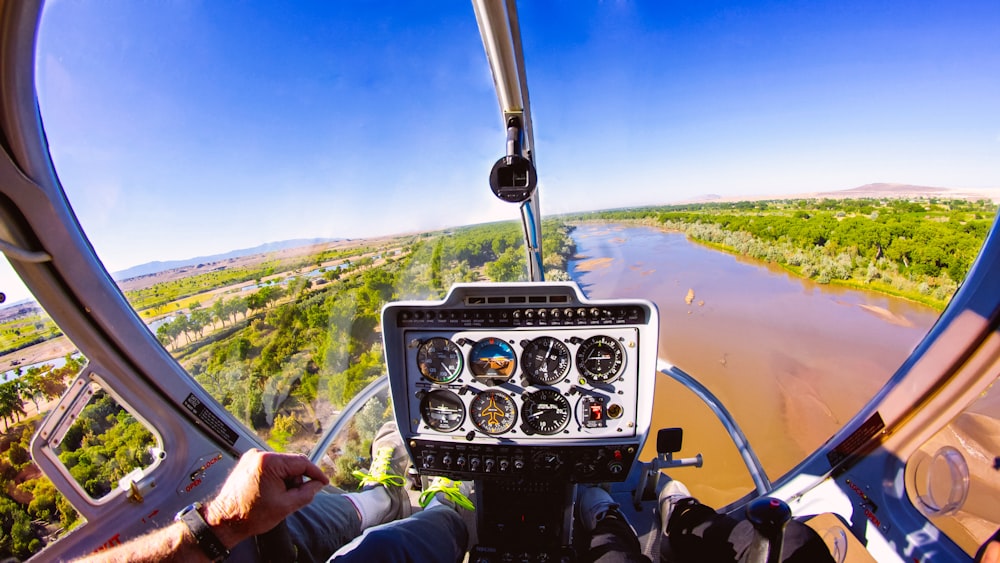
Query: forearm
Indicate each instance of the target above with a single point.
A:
(173, 543)
(262, 490)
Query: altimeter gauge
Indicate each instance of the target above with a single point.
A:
(493, 412)
(545, 360)
(600, 359)
(492, 361)
(442, 410)
(439, 360)
(546, 412)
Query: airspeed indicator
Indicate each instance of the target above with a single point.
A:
(439, 360)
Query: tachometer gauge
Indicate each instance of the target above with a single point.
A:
(492, 361)
(600, 359)
(546, 411)
(439, 360)
(545, 360)
(442, 410)
(493, 412)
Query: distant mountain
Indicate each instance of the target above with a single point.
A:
(887, 190)
(158, 266)
(877, 190)
(895, 188)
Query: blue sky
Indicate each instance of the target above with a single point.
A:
(189, 128)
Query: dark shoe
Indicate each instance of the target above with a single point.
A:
(671, 493)
(593, 504)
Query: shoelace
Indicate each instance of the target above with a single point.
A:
(380, 471)
(451, 490)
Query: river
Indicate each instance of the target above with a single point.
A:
(793, 360)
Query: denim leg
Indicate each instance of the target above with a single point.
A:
(434, 534)
(323, 526)
(614, 541)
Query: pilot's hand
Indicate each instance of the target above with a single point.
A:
(262, 490)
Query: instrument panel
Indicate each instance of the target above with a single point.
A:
(524, 383)
(523, 379)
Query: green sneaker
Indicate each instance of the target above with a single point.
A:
(453, 493)
(389, 463)
(380, 472)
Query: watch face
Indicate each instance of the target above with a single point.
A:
(189, 508)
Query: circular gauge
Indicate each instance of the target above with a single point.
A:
(493, 412)
(439, 360)
(546, 411)
(545, 360)
(600, 359)
(492, 359)
(442, 410)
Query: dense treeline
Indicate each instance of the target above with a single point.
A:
(105, 444)
(917, 249)
(493, 251)
(167, 292)
(34, 384)
(31, 509)
(26, 330)
(281, 359)
(318, 346)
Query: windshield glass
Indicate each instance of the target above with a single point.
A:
(799, 188)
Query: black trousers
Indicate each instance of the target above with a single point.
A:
(698, 533)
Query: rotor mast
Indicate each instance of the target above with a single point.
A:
(501, 34)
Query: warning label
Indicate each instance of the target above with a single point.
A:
(210, 419)
(856, 440)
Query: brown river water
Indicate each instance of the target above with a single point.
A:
(791, 359)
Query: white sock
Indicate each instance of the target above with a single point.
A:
(373, 506)
(434, 502)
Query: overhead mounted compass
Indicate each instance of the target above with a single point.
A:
(513, 177)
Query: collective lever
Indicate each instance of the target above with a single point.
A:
(769, 517)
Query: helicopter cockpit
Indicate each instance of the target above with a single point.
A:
(705, 267)
(527, 389)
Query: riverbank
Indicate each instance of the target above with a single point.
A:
(788, 357)
(42, 352)
(876, 284)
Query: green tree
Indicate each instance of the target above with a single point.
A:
(11, 403)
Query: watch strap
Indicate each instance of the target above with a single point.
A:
(203, 535)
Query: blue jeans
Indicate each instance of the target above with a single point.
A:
(329, 528)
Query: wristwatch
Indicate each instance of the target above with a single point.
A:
(207, 540)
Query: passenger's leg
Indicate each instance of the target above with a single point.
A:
(695, 532)
(684, 528)
(330, 521)
(323, 526)
(434, 534)
(437, 533)
(612, 539)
